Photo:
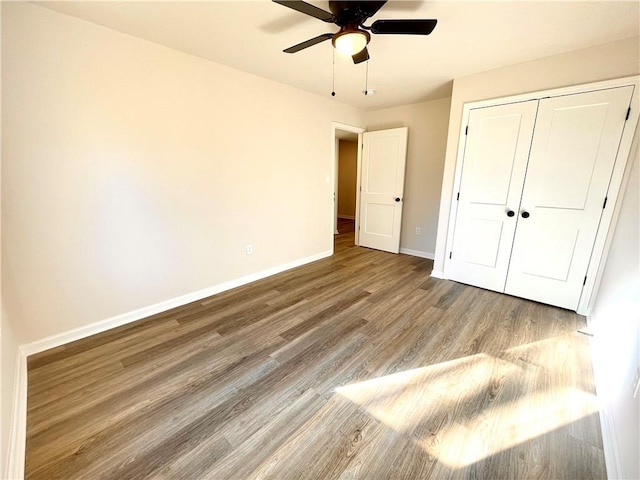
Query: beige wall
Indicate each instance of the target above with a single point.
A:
(133, 173)
(347, 168)
(427, 124)
(612, 60)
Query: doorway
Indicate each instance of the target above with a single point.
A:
(346, 180)
(347, 147)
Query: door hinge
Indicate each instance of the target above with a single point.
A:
(458, 197)
(628, 113)
(585, 281)
(466, 130)
(605, 203)
(450, 254)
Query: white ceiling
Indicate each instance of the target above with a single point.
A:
(470, 37)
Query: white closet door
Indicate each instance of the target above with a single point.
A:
(572, 157)
(495, 161)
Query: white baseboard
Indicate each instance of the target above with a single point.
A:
(417, 253)
(437, 274)
(347, 217)
(18, 432)
(103, 325)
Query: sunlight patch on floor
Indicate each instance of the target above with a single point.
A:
(405, 399)
(467, 409)
(510, 425)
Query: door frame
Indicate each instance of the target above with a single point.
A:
(335, 126)
(618, 180)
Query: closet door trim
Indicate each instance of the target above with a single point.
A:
(618, 178)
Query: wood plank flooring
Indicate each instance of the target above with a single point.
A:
(355, 366)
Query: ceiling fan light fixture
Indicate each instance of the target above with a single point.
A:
(350, 41)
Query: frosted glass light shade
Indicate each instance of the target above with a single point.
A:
(351, 42)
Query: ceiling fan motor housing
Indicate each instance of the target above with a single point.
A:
(352, 13)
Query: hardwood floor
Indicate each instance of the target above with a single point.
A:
(356, 366)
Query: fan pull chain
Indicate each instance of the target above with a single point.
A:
(333, 74)
(366, 80)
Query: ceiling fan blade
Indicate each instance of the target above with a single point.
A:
(371, 8)
(403, 27)
(307, 9)
(361, 56)
(309, 43)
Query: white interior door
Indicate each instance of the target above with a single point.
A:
(381, 188)
(493, 172)
(572, 157)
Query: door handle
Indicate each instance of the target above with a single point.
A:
(525, 214)
(397, 199)
(510, 213)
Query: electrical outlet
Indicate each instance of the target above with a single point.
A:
(417, 230)
(636, 383)
(249, 249)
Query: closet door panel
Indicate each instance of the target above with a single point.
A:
(493, 171)
(572, 157)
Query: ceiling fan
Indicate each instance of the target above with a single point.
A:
(353, 37)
